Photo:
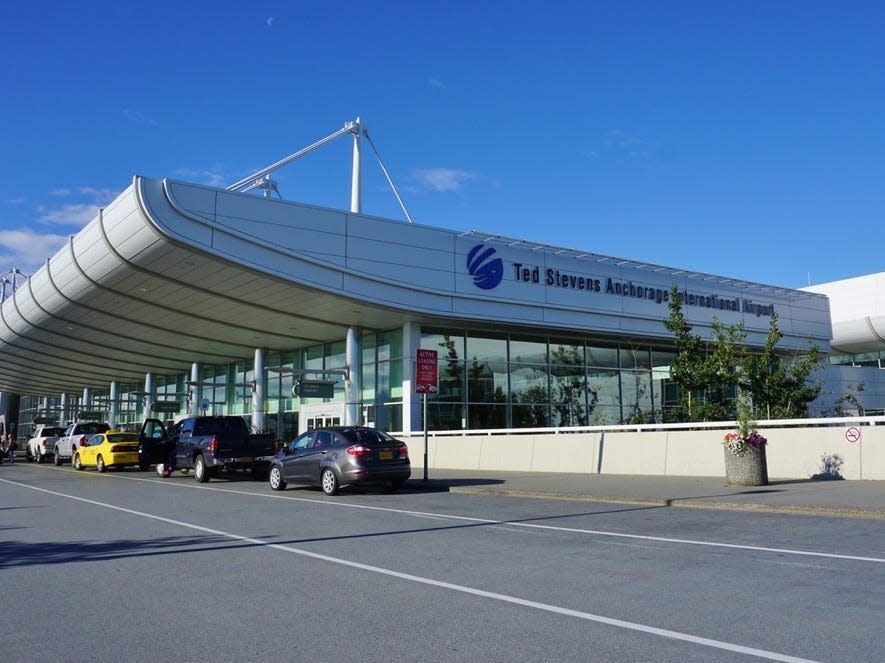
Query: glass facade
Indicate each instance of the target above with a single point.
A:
(486, 381)
(518, 381)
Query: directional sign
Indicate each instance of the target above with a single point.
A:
(45, 420)
(426, 372)
(314, 389)
(165, 406)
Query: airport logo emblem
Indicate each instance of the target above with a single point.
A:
(486, 270)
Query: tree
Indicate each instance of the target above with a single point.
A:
(779, 385)
(706, 372)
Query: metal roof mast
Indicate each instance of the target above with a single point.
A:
(261, 179)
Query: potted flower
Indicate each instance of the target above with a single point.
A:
(745, 460)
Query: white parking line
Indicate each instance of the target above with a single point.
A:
(554, 528)
(588, 616)
(485, 521)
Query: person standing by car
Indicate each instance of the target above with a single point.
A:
(10, 448)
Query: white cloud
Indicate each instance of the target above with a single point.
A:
(75, 213)
(67, 215)
(27, 250)
(139, 118)
(270, 20)
(209, 177)
(443, 179)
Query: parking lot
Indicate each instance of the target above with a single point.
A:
(128, 566)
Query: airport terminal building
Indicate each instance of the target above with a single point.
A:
(183, 298)
(179, 298)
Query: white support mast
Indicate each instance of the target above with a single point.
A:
(261, 179)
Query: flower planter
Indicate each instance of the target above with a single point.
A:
(747, 469)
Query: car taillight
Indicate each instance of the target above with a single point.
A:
(213, 444)
(404, 450)
(117, 449)
(43, 444)
(83, 442)
(358, 450)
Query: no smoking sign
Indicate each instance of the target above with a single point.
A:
(852, 434)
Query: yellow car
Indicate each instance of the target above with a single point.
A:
(113, 448)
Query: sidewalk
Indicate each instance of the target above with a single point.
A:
(858, 499)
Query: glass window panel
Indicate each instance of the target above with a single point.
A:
(566, 354)
(487, 382)
(367, 344)
(603, 387)
(451, 381)
(335, 354)
(528, 351)
(367, 393)
(390, 344)
(534, 415)
(568, 395)
(529, 384)
(602, 356)
(445, 416)
(487, 415)
(396, 379)
(486, 348)
(635, 357)
(603, 415)
(636, 390)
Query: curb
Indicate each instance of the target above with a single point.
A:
(687, 503)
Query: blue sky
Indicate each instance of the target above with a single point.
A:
(745, 139)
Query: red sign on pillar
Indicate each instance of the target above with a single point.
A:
(426, 372)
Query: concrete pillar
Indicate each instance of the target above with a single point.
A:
(259, 392)
(64, 415)
(411, 400)
(113, 404)
(353, 385)
(149, 396)
(195, 392)
(87, 399)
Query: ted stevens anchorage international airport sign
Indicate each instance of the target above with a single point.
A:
(488, 270)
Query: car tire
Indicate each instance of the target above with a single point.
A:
(56, 459)
(275, 478)
(393, 486)
(99, 464)
(329, 482)
(201, 472)
(40, 459)
(78, 464)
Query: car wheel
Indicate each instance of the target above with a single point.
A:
(329, 482)
(99, 464)
(393, 486)
(56, 459)
(40, 459)
(276, 479)
(201, 472)
(78, 465)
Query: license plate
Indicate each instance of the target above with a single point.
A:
(385, 455)
(246, 459)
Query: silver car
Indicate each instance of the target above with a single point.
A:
(340, 456)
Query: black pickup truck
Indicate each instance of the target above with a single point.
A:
(206, 445)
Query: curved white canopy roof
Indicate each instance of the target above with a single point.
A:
(173, 273)
(857, 310)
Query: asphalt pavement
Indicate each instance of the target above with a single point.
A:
(828, 497)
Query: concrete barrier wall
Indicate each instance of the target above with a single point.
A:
(793, 453)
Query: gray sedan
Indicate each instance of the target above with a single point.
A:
(340, 456)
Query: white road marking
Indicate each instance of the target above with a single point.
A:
(485, 521)
(464, 589)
